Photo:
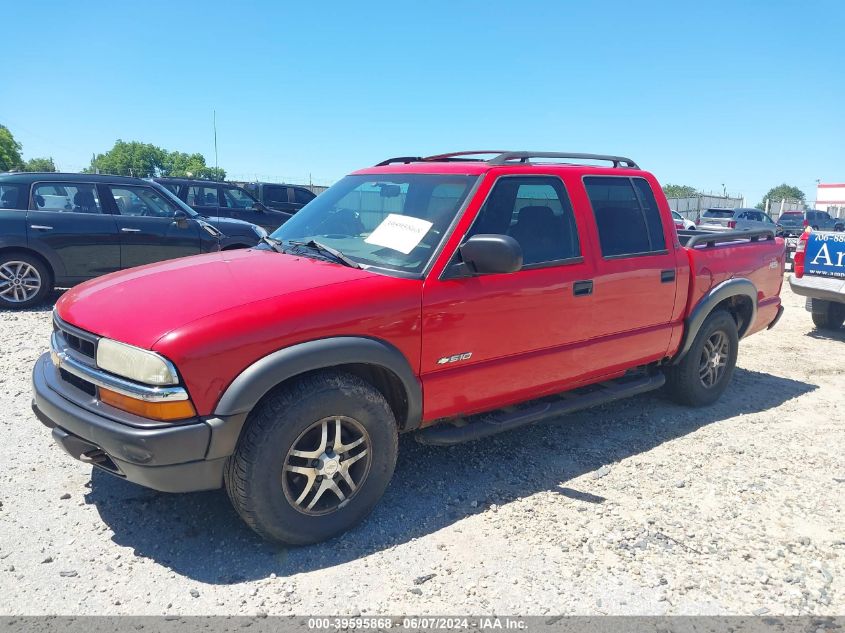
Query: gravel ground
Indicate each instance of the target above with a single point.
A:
(640, 507)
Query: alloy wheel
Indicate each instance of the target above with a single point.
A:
(714, 359)
(19, 281)
(326, 465)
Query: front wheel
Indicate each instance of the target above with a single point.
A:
(314, 458)
(704, 373)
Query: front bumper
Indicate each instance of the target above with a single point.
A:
(816, 287)
(180, 457)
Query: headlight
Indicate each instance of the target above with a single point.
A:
(259, 231)
(135, 363)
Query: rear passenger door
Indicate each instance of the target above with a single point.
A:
(69, 218)
(489, 340)
(635, 277)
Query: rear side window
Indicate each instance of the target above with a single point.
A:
(626, 215)
(275, 195)
(202, 197)
(12, 196)
(536, 212)
(66, 198)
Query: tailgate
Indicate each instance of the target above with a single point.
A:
(825, 254)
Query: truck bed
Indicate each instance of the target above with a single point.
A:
(755, 255)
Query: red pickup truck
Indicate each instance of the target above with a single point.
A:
(455, 296)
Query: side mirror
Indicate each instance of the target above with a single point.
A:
(180, 219)
(489, 254)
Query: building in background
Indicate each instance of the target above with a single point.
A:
(830, 197)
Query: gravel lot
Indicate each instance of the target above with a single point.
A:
(640, 507)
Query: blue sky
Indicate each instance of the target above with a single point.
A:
(746, 94)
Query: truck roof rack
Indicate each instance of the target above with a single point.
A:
(505, 157)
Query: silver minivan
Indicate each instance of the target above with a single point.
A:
(735, 220)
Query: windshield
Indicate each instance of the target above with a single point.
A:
(719, 213)
(390, 221)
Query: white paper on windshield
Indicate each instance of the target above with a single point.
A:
(399, 232)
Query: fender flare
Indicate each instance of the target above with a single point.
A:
(725, 290)
(254, 382)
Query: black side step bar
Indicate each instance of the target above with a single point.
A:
(486, 424)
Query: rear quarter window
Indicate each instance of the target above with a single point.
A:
(13, 196)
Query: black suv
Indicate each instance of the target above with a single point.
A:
(224, 200)
(288, 198)
(61, 229)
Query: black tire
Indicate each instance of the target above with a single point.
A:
(828, 315)
(258, 477)
(29, 268)
(684, 382)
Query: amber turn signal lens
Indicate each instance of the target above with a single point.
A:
(165, 411)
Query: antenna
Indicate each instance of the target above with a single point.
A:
(216, 168)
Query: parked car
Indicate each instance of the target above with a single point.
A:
(288, 198)
(793, 223)
(427, 295)
(682, 223)
(57, 230)
(735, 220)
(819, 274)
(224, 200)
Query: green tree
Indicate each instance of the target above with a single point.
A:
(39, 164)
(141, 160)
(776, 194)
(10, 151)
(679, 191)
(144, 160)
(180, 164)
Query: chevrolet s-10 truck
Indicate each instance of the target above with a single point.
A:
(452, 296)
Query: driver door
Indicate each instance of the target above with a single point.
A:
(149, 231)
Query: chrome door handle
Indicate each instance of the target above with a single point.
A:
(130, 230)
(41, 227)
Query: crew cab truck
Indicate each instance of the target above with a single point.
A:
(452, 296)
(819, 275)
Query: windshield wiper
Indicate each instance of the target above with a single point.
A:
(276, 246)
(317, 246)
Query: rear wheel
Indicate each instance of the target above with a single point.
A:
(828, 315)
(704, 373)
(24, 281)
(314, 458)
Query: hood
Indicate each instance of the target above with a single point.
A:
(140, 305)
(232, 226)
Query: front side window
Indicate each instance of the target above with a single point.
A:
(66, 198)
(536, 212)
(393, 222)
(142, 201)
(237, 199)
(202, 196)
(626, 214)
